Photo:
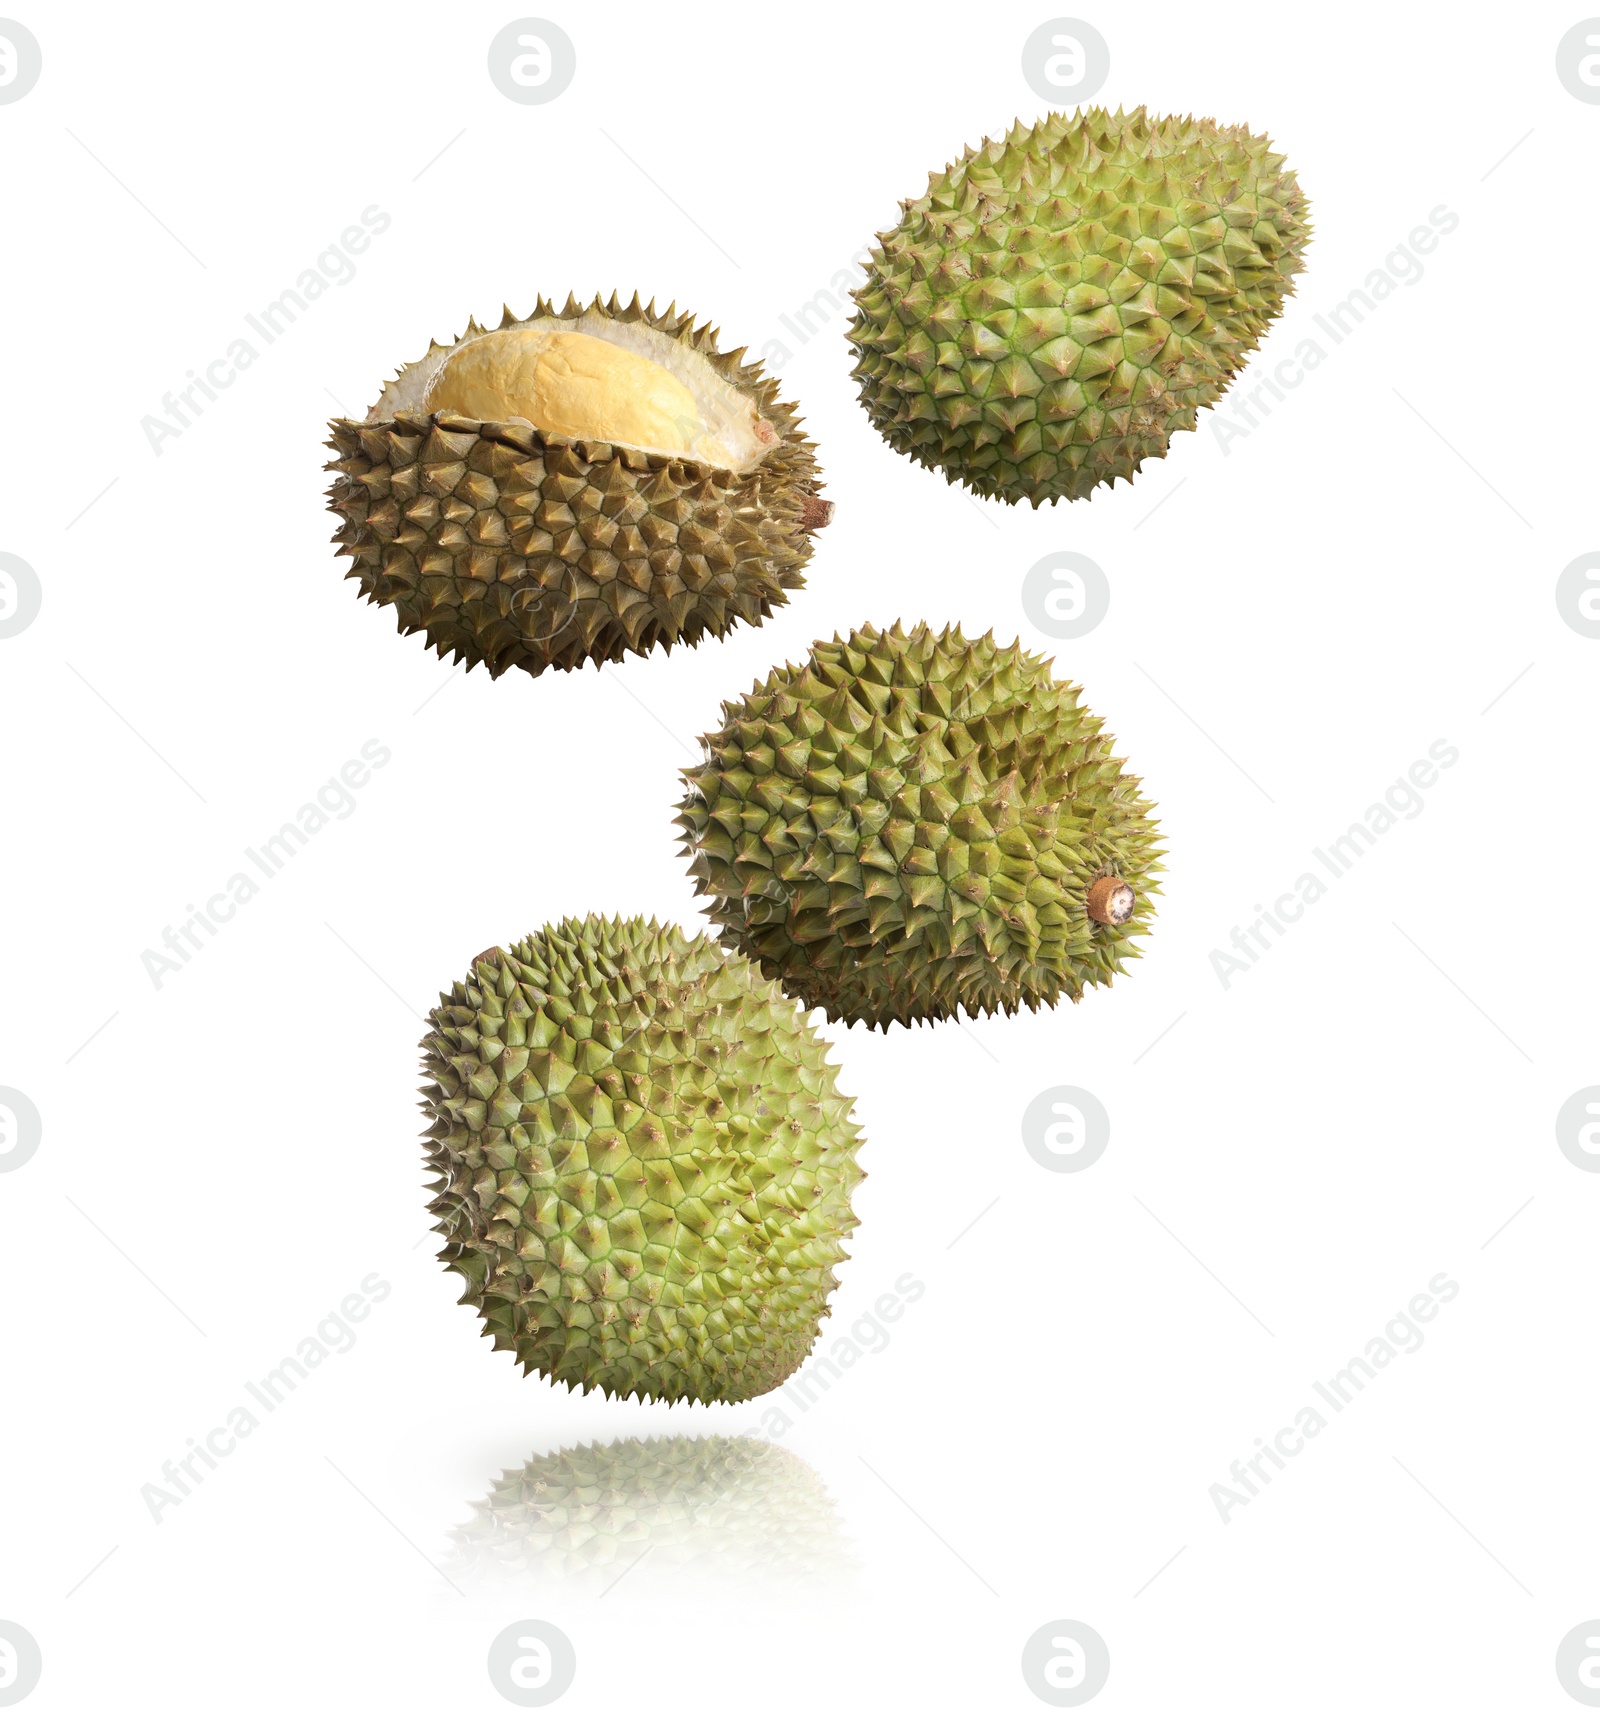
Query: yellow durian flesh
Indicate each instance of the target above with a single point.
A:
(575, 386)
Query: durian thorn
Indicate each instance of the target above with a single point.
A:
(815, 513)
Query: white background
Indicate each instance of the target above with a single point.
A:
(1306, 611)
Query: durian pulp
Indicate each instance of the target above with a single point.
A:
(584, 386)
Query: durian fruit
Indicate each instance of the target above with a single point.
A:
(642, 1164)
(575, 486)
(1055, 306)
(717, 1509)
(912, 822)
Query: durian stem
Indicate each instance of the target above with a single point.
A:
(815, 513)
(1111, 900)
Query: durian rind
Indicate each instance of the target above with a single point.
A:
(909, 823)
(1061, 301)
(505, 545)
(642, 1163)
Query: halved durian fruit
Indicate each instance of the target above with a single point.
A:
(575, 486)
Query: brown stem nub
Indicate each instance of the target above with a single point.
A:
(1111, 900)
(815, 513)
(491, 956)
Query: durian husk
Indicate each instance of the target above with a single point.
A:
(1061, 300)
(910, 825)
(507, 546)
(642, 1165)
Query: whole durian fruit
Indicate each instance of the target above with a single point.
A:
(643, 1165)
(1057, 305)
(912, 822)
(575, 486)
(705, 1510)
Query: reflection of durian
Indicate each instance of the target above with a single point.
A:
(708, 1508)
(575, 486)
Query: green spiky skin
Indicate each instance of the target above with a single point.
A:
(717, 1505)
(909, 823)
(506, 547)
(1057, 305)
(643, 1165)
